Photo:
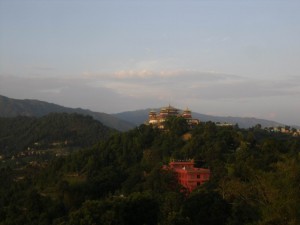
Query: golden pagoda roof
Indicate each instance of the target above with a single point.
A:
(187, 110)
(169, 108)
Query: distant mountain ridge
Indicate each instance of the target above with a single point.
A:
(140, 116)
(15, 107)
(120, 121)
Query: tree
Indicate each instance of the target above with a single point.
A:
(176, 125)
(140, 208)
(282, 195)
(207, 208)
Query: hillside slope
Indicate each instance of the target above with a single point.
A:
(14, 107)
(125, 180)
(72, 130)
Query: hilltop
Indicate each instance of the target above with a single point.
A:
(138, 117)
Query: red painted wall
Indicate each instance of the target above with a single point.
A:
(189, 176)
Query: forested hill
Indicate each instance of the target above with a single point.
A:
(20, 133)
(14, 107)
(121, 180)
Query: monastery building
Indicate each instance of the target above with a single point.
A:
(158, 119)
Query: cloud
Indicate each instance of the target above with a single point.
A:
(54, 90)
(41, 68)
(158, 84)
(143, 74)
(90, 93)
(244, 89)
(171, 74)
(179, 84)
(133, 74)
(192, 84)
(129, 90)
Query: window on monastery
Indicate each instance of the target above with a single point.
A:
(198, 176)
(198, 183)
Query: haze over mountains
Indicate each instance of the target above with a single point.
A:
(120, 121)
(139, 116)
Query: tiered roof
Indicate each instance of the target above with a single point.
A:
(158, 119)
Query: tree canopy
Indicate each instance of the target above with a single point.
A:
(255, 180)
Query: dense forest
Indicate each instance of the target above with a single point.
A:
(119, 180)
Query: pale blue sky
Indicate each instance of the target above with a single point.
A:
(236, 58)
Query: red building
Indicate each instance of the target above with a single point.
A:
(189, 176)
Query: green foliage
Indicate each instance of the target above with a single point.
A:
(136, 209)
(176, 125)
(206, 208)
(120, 180)
(57, 129)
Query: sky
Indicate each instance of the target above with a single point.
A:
(217, 57)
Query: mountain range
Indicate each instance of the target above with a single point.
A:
(140, 116)
(120, 121)
(14, 107)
